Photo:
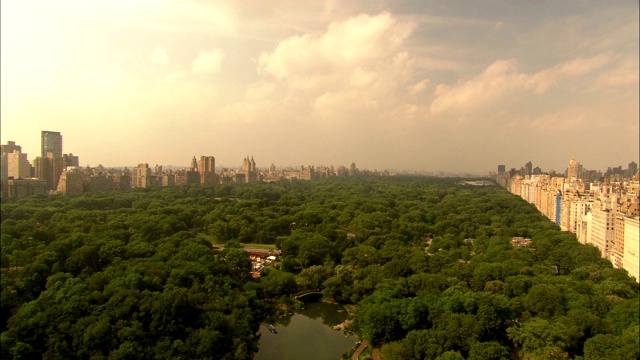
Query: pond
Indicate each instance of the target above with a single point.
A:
(307, 334)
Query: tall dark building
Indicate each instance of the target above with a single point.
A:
(51, 142)
(502, 169)
(528, 169)
(633, 169)
(70, 160)
(206, 168)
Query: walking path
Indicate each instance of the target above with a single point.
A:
(363, 345)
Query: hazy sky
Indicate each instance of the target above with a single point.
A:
(424, 85)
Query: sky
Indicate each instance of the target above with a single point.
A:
(452, 86)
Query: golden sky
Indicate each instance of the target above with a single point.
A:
(418, 85)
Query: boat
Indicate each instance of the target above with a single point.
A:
(272, 329)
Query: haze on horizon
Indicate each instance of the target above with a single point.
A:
(424, 85)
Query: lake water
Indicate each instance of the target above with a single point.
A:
(307, 334)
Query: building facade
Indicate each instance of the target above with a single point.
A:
(50, 142)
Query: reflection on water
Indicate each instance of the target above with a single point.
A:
(307, 334)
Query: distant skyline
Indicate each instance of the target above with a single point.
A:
(448, 86)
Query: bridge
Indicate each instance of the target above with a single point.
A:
(305, 293)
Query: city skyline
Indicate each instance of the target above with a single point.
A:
(435, 86)
(211, 161)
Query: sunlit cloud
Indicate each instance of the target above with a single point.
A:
(353, 75)
(309, 60)
(260, 90)
(502, 80)
(208, 61)
(159, 55)
(624, 74)
(419, 87)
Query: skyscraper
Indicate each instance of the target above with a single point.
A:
(18, 167)
(141, 176)
(14, 163)
(249, 170)
(633, 169)
(206, 168)
(528, 169)
(10, 147)
(572, 171)
(51, 142)
(70, 160)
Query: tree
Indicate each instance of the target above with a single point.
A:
(544, 300)
(314, 277)
(488, 351)
(275, 283)
(540, 339)
(607, 346)
(238, 262)
(314, 250)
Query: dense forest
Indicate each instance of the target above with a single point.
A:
(428, 264)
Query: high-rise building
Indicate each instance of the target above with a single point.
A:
(70, 160)
(14, 163)
(18, 167)
(71, 182)
(10, 147)
(51, 142)
(141, 176)
(633, 169)
(186, 177)
(249, 170)
(601, 230)
(528, 169)
(502, 169)
(41, 165)
(572, 171)
(49, 168)
(57, 166)
(194, 164)
(631, 242)
(23, 187)
(207, 168)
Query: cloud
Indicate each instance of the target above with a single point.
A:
(208, 62)
(260, 90)
(496, 81)
(625, 73)
(307, 61)
(543, 80)
(354, 70)
(368, 94)
(159, 55)
(501, 80)
(419, 87)
(565, 120)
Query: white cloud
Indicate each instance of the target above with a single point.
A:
(625, 73)
(356, 69)
(359, 43)
(336, 103)
(495, 81)
(419, 87)
(175, 76)
(159, 55)
(208, 62)
(543, 80)
(501, 80)
(260, 90)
